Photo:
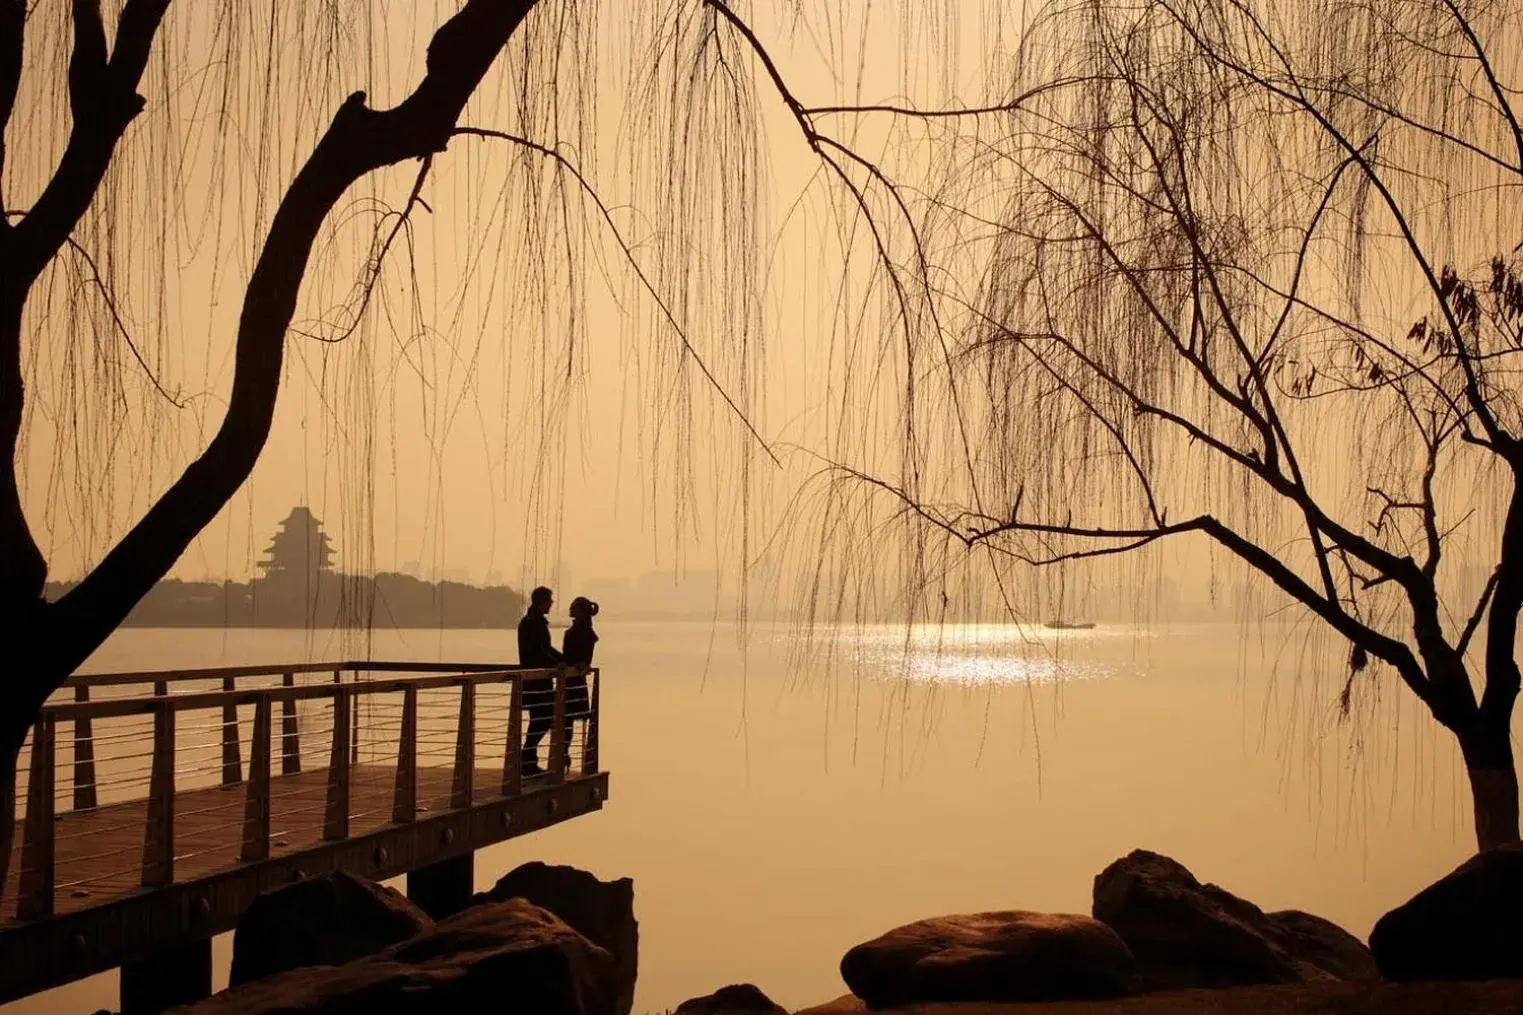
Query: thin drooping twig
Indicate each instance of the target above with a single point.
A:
(567, 166)
(1015, 105)
(121, 326)
(373, 268)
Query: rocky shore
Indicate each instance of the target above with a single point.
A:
(559, 941)
(1490, 997)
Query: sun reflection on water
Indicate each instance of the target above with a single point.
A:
(982, 654)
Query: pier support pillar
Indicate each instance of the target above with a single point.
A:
(172, 977)
(445, 888)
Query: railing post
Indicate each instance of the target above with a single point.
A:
(512, 758)
(290, 736)
(354, 719)
(85, 797)
(160, 688)
(256, 807)
(35, 901)
(336, 808)
(559, 748)
(404, 801)
(590, 737)
(463, 787)
(159, 833)
(232, 763)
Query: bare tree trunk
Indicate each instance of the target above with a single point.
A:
(1488, 748)
(1493, 786)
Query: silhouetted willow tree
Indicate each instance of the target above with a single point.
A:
(1249, 271)
(138, 129)
(45, 641)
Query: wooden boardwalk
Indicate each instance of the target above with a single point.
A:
(96, 856)
(118, 882)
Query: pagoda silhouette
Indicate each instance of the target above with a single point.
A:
(299, 549)
(296, 580)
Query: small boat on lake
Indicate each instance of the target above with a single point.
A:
(1069, 625)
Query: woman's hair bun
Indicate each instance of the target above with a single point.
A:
(592, 609)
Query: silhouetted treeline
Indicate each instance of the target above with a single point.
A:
(328, 600)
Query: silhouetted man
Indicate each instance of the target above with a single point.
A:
(536, 652)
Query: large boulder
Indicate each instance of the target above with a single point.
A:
(1468, 925)
(1186, 934)
(322, 921)
(1006, 956)
(1325, 945)
(601, 911)
(736, 999)
(501, 958)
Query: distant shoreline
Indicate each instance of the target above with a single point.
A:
(322, 600)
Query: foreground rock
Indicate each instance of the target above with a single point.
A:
(1325, 945)
(499, 958)
(601, 911)
(322, 921)
(736, 999)
(1003, 956)
(1325, 997)
(1186, 934)
(1468, 925)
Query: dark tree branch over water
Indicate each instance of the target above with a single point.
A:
(1254, 276)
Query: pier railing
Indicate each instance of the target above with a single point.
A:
(395, 740)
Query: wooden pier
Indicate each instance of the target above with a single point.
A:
(159, 805)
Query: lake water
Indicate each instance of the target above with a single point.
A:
(773, 815)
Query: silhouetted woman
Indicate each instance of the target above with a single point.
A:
(577, 646)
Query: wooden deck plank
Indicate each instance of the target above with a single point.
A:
(99, 852)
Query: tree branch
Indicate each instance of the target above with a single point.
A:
(1502, 674)
(358, 141)
(372, 276)
(818, 143)
(1504, 101)
(88, 64)
(1013, 106)
(1506, 443)
(104, 100)
(629, 256)
(12, 45)
(99, 282)
(1476, 614)
(1380, 645)
(1429, 508)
